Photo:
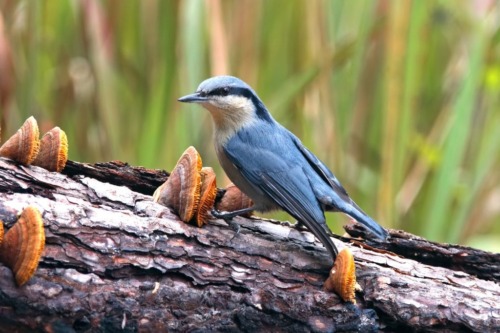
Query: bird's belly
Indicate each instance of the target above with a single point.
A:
(262, 201)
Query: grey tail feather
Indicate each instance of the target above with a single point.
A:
(322, 233)
(360, 216)
(327, 241)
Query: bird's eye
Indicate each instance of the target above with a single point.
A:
(202, 93)
(224, 91)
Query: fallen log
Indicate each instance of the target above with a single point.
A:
(115, 260)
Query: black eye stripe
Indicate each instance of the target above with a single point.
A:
(224, 91)
(220, 91)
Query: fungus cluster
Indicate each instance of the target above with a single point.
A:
(191, 189)
(25, 147)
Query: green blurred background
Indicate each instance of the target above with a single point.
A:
(400, 98)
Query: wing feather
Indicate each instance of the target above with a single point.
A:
(289, 196)
(272, 166)
(346, 204)
(322, 170)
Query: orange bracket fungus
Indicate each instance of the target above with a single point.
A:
(208, 192)
(23, 244)
(53, 152)
(190, 191)
(181, 191)
(24, 145)
(342, 278)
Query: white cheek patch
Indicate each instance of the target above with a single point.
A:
(235, 103)
(230, 113)
(239, 102)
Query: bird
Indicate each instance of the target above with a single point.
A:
(270, 164)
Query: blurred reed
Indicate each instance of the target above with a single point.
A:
(400, 98)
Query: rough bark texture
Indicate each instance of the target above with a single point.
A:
(116, 261)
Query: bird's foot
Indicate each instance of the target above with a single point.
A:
(226, 216)
(235, 226)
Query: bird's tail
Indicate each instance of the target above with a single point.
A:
(356, 213)
(324, 237)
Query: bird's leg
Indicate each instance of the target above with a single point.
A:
(229, 215)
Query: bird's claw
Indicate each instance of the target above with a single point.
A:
(228, 218)
(235, 226)
(219, 215)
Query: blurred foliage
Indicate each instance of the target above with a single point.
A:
(400, 98)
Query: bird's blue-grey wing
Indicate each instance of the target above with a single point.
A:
(282, 187)
(322, 170)
(339, 200)
(283, 181)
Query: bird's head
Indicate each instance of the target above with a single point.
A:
(231, 102)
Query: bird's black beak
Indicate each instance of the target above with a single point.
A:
(192, 98)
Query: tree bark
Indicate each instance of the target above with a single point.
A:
(114, 260)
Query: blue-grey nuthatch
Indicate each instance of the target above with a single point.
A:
(270, 164)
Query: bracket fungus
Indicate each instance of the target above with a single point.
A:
(23, 146)
(53, 152)
(208, 191)
(181, 191)
(23, 244)
(190, 191)
(342, 277)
